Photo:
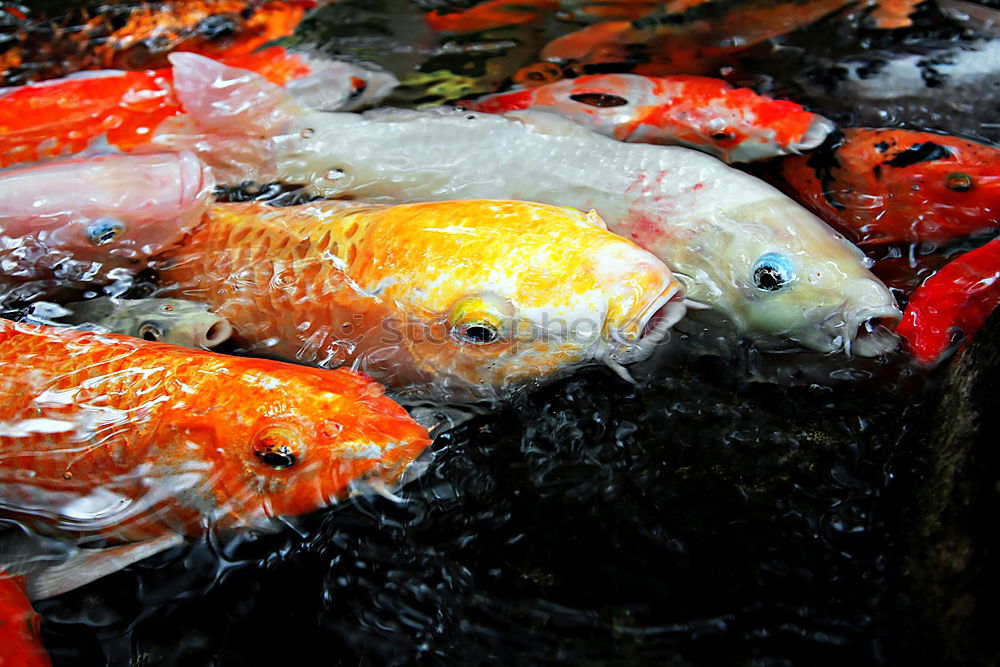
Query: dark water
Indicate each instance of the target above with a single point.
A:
(737, 509)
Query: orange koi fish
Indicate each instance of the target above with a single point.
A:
(735, 124)
(461, 298)
(695, 41)
(19, 645)
(899, 186)
(492, 14)
(121, 439)
(140, 35)
(64, 116)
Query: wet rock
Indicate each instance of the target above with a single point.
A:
(947, 570)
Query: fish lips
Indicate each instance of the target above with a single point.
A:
(653, 327)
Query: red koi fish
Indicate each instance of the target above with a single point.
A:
(735, 124)
(492, 14)
(952, 304)
(695, 41)
(64, 116)
(899, 186)
(19, 645)
(141, 35)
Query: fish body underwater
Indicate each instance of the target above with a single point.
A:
(774, 270)
(696, 40)
(459, 300)
(118, 212)
(115, 439)
(173, 321)
(899, 186)
(19, 644)
(139, 35)
(733, 124)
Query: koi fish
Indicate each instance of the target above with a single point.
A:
(694, 41)
(952, 304)
(468, 298)
(110, 438)
(734, 124)
(121, 109)
(19, 644)
(774, 270)
(896, 186)
(140, 35)
(80, 219)
(173, 321)
(491, 14)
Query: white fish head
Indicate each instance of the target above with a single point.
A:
(784, 278)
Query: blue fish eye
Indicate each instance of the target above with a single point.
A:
(104, 230)
(772, 271)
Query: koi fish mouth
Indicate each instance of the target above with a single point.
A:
(865, 334)
(815, 135)
(653, 327)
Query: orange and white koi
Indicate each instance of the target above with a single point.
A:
(491, 14)
(735, 124)
(453, 299)
(115, 439)
(122, 109)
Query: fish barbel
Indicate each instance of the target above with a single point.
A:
(119, 439)
(80, 219)
(898, 186)
(453, 299)
(734, 124)
(776, 271)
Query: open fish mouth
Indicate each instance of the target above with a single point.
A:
(653, 328)
(865, 334)
(815, 135)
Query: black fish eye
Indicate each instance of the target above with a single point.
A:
(104, 230)
(478, 333)
(149, 331)
(277, 447)
(959, 182)
(600, 100)
(771, 272)
(727, 135)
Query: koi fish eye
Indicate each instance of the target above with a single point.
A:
(104, 230)
(278, 446)
(476, 321)
(771, 272)
(727, 134)
(959, 182)
(599, 100)
(149, 331)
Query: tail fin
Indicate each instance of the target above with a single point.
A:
(223, 98)
(231, 117)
